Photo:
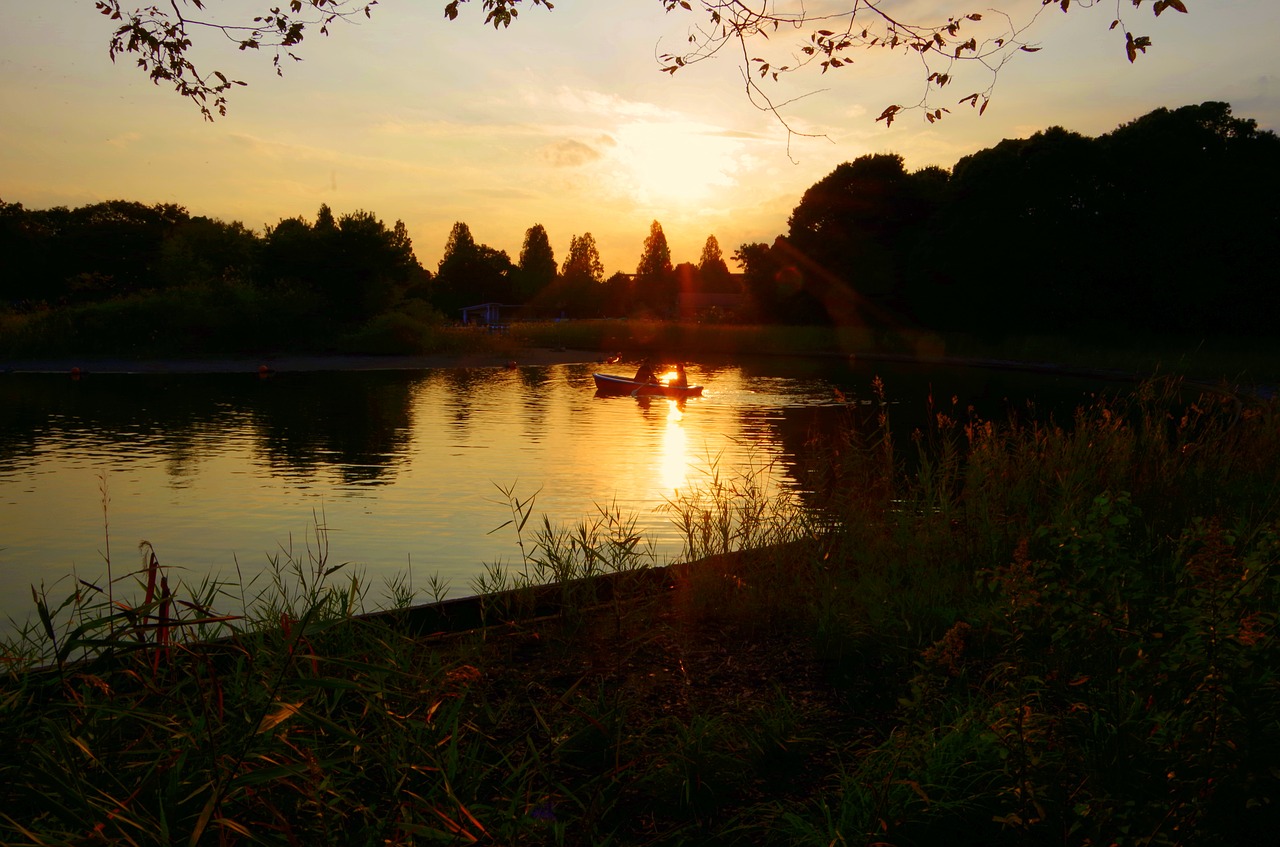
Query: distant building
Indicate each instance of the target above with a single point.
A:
(491, 314)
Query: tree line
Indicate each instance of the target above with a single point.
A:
(353, 265)
(1163, 225)
(105, 251)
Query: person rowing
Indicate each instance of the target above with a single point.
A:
(645, 373)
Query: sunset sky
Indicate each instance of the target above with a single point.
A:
(564, 119)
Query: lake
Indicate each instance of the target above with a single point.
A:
(403, 469)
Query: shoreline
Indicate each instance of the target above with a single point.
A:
(525, 357)
(296, 363)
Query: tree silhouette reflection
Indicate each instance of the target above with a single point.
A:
(357, 423)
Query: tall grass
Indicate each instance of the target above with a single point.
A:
(1084, 619)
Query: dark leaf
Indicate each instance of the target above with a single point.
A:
(889, 114)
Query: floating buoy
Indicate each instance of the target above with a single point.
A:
(511, 366)
(264, 371)
(75, 373)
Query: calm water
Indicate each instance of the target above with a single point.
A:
(401, 467)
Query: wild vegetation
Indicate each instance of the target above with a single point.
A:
(1003, 632)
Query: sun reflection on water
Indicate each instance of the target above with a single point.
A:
(674, 458)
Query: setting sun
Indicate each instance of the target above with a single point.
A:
(673, 164)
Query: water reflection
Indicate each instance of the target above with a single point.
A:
(402, 466)
(357, 423)
(674, 457)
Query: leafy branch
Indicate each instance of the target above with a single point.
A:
(160, 36)
(161, 39)
(830, 41)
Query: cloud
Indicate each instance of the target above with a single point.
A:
(505, 193)
(739, 134)
(293, 155)
(569, 154)
(126, 140)
(261, 148)
(611, 106)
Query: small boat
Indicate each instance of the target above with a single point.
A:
(625, 385)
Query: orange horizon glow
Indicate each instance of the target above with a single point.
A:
(559, 133)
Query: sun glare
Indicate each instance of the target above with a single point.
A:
(673, 163)
(674, 469)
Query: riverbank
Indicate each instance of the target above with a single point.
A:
(1241, 384)
(1239, 364)
(1042, 635)
(295, 363)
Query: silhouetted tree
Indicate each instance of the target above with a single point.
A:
(1149, 229)
(90, 253)
(655, 285)
(537, 269)
(579, 291)
(372, 264)
(470, 274)
(205, 251)
(288, 260)
(774, 286)
(325, 221)
(1006, 236)
(28, 256)
(616, 299)
(583, 262)
(853, 231)
(713, 273)
(353, 264)
(1203, 187)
